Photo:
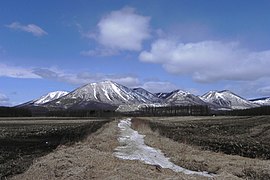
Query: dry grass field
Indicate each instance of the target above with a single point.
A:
(24, 139)
(243, 136)
(92, 157)
(236, 145)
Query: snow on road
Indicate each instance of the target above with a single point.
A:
(132, 147)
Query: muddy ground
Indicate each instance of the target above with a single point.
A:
(23, 140)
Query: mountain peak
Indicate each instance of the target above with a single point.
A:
(105, 82)
(105, 92)
(184, 98)
(226, 99)
(108, 82)
(181, 91)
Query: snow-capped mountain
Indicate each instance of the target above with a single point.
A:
(180, 97)
(106, 92)
(45, 99)
(226, 100)
(150, 96)
(50, 97)
(262, 101)
(108, 95)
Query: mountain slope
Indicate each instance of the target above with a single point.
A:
(262, 101)
(226, 99)
(148, 95)
(45, 99)
(50, 97)
(180, 97)
(163, 95)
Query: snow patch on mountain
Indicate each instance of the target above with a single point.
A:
(50, 97)
(262, 101)
(163, 95)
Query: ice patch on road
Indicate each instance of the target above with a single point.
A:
(132, 147)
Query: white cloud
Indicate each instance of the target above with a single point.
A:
(264, 91)
(31, 28)
(64, 76)
(99, 52)
(128, 81)
(208, 61)
(121, 30)
(159, 86)
(4, 100)
(84, 77)
(16, 72)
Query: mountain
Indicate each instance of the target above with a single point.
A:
(37, 106)
(180, 97)
(262, 101)
(226, 100)
(150, 96)
(46, 98)
(106, 93)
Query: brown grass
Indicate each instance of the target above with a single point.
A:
(193, 158)
(93, 159)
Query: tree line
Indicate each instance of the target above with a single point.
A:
(258, 111)
(145, 111)
(82, 113)
(192, 110)
(14, 112)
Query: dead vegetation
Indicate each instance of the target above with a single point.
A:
(194, 157)
(23, 140)
(244, 136)
(93, 159)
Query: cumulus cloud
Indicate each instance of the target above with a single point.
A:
(208, 61)
(17, 72)
(121, 30)
(30, 28)
(159, 86)
(4, 100)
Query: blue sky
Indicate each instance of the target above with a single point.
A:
(160, 45)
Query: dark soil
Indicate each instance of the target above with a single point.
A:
(244, 136)
(21, 143)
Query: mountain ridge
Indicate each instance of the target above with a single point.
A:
(109, 95)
